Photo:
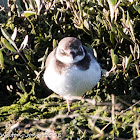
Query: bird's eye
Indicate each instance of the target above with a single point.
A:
(74, 46)
(62, 51)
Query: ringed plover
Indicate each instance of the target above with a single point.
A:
(71, 69)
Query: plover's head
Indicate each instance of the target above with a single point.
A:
(70, 50)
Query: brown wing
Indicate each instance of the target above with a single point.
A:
(57, 65)
(50, 58)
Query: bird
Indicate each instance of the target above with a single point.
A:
(71, 69)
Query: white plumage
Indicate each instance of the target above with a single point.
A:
(73, 81)
(71, 70)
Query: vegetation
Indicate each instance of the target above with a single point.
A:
(30, 30)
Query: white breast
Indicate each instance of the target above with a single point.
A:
(73, 82)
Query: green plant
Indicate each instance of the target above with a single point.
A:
(30, 30)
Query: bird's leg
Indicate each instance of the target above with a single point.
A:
(82, 98)
(68, 105)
